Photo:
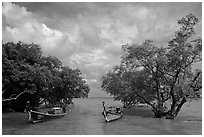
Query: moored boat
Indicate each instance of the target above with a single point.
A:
(112, 113)
(36, 116)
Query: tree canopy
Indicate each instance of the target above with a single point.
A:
(163, 76)
(28, 75)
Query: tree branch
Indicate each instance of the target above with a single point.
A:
(9, 99)
(173, 84)
(145, 100)
(196, 76)
(3, 92)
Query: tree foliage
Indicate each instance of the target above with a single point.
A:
(159, 76)
(27, 75)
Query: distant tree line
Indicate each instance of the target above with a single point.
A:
(161, 77)
(27, 75)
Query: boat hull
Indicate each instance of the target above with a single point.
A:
(35, 116)
(112, 117)
(112, 113)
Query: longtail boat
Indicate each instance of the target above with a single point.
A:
(112, 113)
(36, 116)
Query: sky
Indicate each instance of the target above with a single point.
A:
(89, 35)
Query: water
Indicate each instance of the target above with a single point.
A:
(84, 118)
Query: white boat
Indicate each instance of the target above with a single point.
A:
(112, 113)
(36, 116)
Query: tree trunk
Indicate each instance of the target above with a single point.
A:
(158, 113)
(180, 105)
(176, 107)
(172, 113)
(125, 104)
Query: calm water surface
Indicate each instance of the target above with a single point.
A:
(85, 118)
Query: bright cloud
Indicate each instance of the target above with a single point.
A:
(89, 36)
(93, 59)
(25, 27)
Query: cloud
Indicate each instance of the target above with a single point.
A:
(95, 58)
(89, 36)
(88, 31)
(91, 64)
(25, 27)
